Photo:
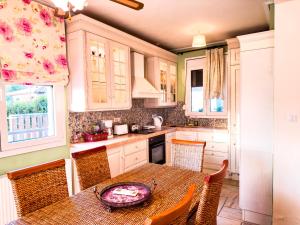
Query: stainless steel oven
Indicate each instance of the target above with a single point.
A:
(157, 149)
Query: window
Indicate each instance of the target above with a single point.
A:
(32, 117)
(196, 103)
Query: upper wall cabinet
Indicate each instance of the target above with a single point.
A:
(162, 74)
(99, 62)
(100, 73)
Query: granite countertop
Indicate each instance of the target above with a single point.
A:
(118, 141)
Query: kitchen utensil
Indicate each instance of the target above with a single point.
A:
(158, 120)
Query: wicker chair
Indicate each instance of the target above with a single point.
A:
(188, 154)
(39, 186)
(176, 215)
(209, 200)
(92, 167)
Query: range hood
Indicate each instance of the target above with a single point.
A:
(141, 88)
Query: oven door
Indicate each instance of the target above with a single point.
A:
(157, 153)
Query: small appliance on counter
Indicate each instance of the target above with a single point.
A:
(106, 126)
(158, 120)
(138, 129)
(120, 129)
(134, 128)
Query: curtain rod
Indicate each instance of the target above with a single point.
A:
(205, 48)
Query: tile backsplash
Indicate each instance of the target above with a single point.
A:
(83, 121)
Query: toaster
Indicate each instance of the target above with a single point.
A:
(120, 129)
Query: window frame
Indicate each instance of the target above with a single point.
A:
(206, 112)
(59, 138)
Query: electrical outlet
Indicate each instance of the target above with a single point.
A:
(117, 120)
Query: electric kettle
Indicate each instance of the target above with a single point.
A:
(158, 120)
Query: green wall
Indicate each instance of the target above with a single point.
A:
(272, 16)
(32, 158)
(181, 71)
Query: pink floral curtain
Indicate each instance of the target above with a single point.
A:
(32, 44)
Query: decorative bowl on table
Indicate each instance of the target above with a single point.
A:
(124, 194)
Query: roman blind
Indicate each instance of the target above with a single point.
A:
(32, 44)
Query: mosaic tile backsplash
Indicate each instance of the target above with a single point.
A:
(83, 121)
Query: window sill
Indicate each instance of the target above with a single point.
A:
(35, 148)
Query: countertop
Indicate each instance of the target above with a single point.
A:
(118, 141)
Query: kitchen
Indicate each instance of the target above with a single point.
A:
(124, 91)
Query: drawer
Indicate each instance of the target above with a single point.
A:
(135, 158)
(221, 137)
(216, 146)
(205, 136)
(186, 135)
(135, 147)
(215, 157)
(170, 136)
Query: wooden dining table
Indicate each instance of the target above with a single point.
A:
(85, 208)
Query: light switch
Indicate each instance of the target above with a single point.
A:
(292, 117)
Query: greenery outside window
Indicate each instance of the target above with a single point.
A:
(32, 117)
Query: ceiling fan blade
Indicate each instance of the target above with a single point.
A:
(130, 3)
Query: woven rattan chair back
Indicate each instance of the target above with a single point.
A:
(188, 154)
(177, 215)
(209, 200)
(38, 186)
(92, 167)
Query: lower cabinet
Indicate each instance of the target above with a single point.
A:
(127, 157)
(135, 155)
(115, 161)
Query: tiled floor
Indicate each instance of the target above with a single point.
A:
(229, 212)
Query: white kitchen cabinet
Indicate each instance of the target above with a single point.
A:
(99, 73)
(235, 119)
(234, 108)
(234, 56)
(135, 155)
(120, 76)
(256, 126)
(115, 159)
(162, 74)
(186, 135)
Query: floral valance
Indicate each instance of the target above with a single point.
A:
(32, 44)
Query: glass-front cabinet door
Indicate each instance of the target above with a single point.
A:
(120, 79)
(98, 77)
(172, 84)
(163, 77)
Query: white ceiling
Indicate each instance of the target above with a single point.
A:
(172, 23)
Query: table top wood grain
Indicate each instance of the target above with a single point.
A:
(85, 208)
